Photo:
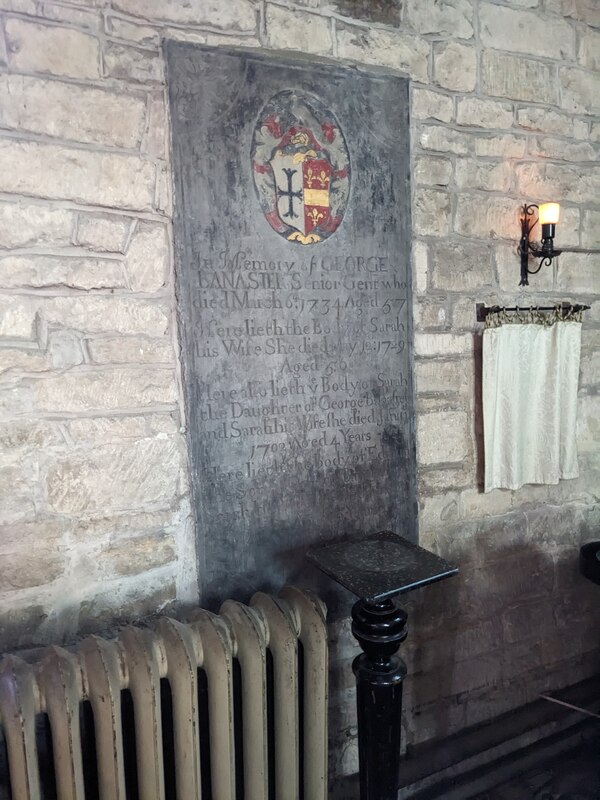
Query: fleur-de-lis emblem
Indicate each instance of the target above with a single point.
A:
(315, 215)
(322, 178)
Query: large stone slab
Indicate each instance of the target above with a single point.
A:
(292, 239)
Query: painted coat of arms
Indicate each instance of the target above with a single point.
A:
(301, 168)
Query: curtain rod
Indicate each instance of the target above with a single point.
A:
(482, 310)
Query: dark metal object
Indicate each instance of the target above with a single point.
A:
(482, 310)
(570, 706)
(547, 251)
(377, 568)
(380, 566)
(589, 561)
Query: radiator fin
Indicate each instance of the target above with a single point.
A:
(144, 685)
(311, 616)
(250, 648)
(17, 710)
(101, 661)
(184, 654)
(217, 663)
(283, 644)
(58, 681)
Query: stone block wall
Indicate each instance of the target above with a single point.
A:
(95, 524)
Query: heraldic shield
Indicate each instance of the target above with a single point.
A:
(301, 168)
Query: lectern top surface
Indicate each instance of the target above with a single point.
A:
(380, 565)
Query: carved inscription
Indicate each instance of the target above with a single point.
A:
(297, 358)
(313, 323)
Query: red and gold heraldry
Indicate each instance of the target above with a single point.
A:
(301, 168)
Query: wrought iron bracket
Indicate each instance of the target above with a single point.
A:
(526, 249)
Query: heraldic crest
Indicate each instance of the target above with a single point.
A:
(301, 168)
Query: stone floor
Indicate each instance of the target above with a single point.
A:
(573, 776)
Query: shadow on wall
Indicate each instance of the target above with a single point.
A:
(102, 614)
(516, 621)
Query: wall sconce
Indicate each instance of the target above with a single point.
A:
(548, 215)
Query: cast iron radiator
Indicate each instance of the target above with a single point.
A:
(227, 707)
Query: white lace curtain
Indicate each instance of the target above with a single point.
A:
(530, 377)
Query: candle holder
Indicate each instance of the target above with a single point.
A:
(378, 568)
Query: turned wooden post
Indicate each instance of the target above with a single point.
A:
(376, 569)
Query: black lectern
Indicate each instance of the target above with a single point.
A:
(376, 569)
